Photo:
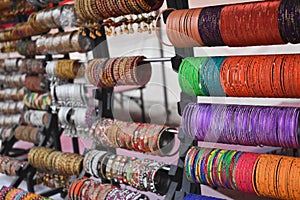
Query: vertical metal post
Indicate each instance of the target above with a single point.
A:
(184, 52)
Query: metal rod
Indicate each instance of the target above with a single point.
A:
(173, 131)
(157, 59)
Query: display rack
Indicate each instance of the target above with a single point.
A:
(171, 180)
(186, 99)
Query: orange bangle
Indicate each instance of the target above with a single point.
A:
(283, 177)
(294, 186)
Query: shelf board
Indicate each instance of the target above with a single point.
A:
(250, 101)
(253, 149)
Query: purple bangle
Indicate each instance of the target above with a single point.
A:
(246, 125)
(209, 26)
(296, 128)
(273, 137)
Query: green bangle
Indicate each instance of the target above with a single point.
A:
(228, 159)
(197, 164)
(222, 154)
(190, 80)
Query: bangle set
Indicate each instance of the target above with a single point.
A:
(8, 47)
(9, 65)
(19, 8)
(8, 121)
(28, 134)
(64, 69)
(31, 66)
(52, 180)
(71, 95)
(9, 166)
(58, 162)
(80, 119)
(85, 188)
(201, 76)
(146, 138)
(24, 30)
(26, 48)
(261, 76)
(35, 83)
(215, 26)
(37, 101)
(10, 108)
(12, 94)
(15, 81)
(22, 66)
(262, 174)
(97, 10)
(243, 125)
(19, 194)
(108, 73)
(62, 43)
(140, 174)
(36, 117)
(60, 16)
(241, 76)
(5, 133)
(59, 43)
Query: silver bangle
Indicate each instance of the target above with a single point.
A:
(50, 68)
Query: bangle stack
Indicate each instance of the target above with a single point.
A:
(12, 107)
(214, 26)
(9, 166)
(5, 133)
(79, 119)
(27, 48)
(60, 16)
(28, 134)
(36, 117)
(64, 69)
(52, 180)
(139, 137)
(35, 83)
(71, 95)
(255, 76)
(31, 66)
(13, 193)
(9, 65)
(8, 47)
(87, 188)
(8, 121)
(15, 81)
(59, 43)
(261, 76)
(63, 43)
(244, 125)
(12, 94)
(140, 174)
(97, 10)
(37, 101)
(23, 66)
(118, 71)
(55, 161)
(27, 29)
(261, 174)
